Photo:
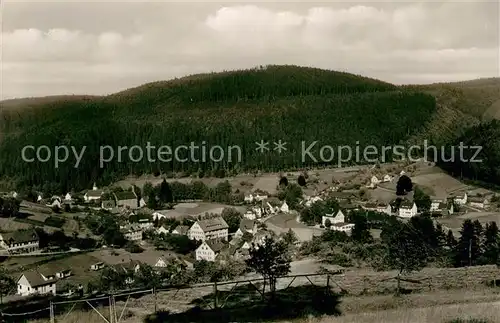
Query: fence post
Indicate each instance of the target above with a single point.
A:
(215, 296)
(155, 299)
(52, 316)
(111, 309)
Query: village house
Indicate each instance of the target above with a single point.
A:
(443, 209)
(311, 200)
(378, 207)
(133, 232)
(337, 222)
(126, 199)
(460, 199)
(436, 203)
(249, 226)
(68, 197)
(55, 201)
(39, 198)
(181, 230)
(478, 202)
(374, 180)
(93, 195)
(249, 198)
(21, 241)
(213, 228)
(407, 209)
(32, 282)
(259, 197)
(284, 208)
(162, 230)
(333, 218)
(97, 266)
(53, 273)
(387, 178)
(209, 250)
(142, 202)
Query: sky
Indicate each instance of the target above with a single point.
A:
(101, 47)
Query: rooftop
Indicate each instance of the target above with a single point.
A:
(213, 224)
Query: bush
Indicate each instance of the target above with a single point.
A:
(133, 248)
(55, 222)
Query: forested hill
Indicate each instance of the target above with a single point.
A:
(288, 103)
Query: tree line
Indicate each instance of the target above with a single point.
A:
(235, 109)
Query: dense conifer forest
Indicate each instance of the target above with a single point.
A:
(288, 103)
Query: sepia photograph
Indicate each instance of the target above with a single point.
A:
(249, 161)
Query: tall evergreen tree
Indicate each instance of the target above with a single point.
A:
(165, 194)
(467, 250)
(451, 242)
(491, 245)
(361, 233)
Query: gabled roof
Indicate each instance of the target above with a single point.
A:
(125, 195)
(477, 199)
(213, 224)
(182, 229)
(35, 279)
(246, 224)
(20, 236)
(216, 246)
(406, 205)
(95, 193)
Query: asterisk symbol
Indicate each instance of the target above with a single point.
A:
(262, 146)
(280, 146)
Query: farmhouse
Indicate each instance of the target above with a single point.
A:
(68, 197)
(181, 229)
(21, 241)
(444, 209)
(32, 282)
(214, 228)
(246, 225)
(53, 273)
(436, 204)
(162, 230)
(127, 199)
(374, 180)
(479, 202)
(344, 227)
(132, 233)
(407, 209)
(260, 198)
(311, 200)
(97, 266)
(387, 178)
(249, 198)
(333, 218)
(460, 199)
(370, 206)
(93, 195)
(284, 208)
(209, 250)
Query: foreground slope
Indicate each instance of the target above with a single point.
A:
(288, 103)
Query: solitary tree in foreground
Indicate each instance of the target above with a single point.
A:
(271, 260)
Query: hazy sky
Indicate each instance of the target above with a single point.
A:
(100, 47)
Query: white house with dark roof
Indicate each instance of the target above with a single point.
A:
(478, 202)
(337, 221)
(20, 241)
(460, 199)
(333, 218)
(436, 204)
(407, 209)
(284, 208)
(206, 229)
(209, 250)
(93, 195)
(32, 282)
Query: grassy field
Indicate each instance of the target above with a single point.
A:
(436, 307)
(455, 222)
